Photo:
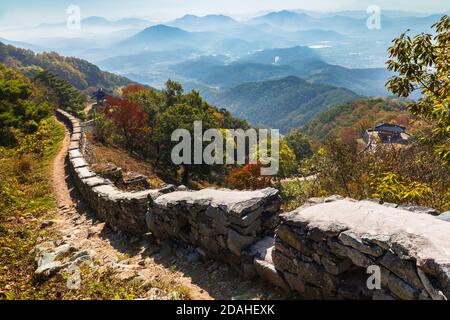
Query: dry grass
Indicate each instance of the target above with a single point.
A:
(105, 154)
(121, 158)
(24, 203)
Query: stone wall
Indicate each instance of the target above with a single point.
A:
(329, 250)
(219, 223)
(121, 210)
(323, 250)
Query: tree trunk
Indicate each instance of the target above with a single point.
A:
(186, 175)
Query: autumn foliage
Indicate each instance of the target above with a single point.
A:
(248, 177)
(348, 135)
(131, 89)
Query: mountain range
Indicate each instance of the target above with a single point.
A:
(242, 65)
(207, 23)
(355, 24)
(268, 64)
(284, 103)
(101, 22)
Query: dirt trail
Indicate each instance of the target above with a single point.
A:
(60, 187)
(143, 258)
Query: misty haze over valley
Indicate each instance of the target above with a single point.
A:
(219, 55)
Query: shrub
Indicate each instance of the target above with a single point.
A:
(103, 128)
(401, 174)
(391, 188)
(24, 164)
(295, 193)
(248, 177)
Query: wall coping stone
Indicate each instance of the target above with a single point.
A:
(432, 236)
(95, 182)
(84, 173)
(75, 154)
(237, 203)
(78, 163)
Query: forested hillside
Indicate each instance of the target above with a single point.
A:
(285, 103)
(357, 116)
(80, 73)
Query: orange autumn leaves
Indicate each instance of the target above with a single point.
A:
(248, 177)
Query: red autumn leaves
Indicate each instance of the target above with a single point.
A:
(128, 117)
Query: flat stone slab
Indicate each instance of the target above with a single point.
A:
(141, 195)
(78, 163)
(95, 182)
(267, 271)
(444, 217)
(237, 203)
(423, 237)
(84, 173)
(74, 145)
(75, 137)
(107, 191)
(262, 250)
(62, 112)
(75, 154)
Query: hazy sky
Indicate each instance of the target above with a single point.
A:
(31, 12)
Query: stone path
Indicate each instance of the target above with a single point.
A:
(144, 259)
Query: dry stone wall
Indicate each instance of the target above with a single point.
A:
(219, 223)
(330, 250)
(121, 210)
(323, 250)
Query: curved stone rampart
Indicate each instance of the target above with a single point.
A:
(341, 249)
(330, 249)
(221, 223)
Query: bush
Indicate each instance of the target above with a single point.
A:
(24, 164)
(17, 110)
(248, 177)
(402, 174)
(295, 193)
(103, 128)
(391, 188)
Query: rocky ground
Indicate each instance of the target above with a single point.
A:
(81, 240)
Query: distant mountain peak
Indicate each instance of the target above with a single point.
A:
(284, 13)
(95, 19)
(287, 19)
(294, 79)
(187, 17)
(158, 34)
(209, 16)
(283, 103)
(163, 29)
(205, 23)
(220, 16)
